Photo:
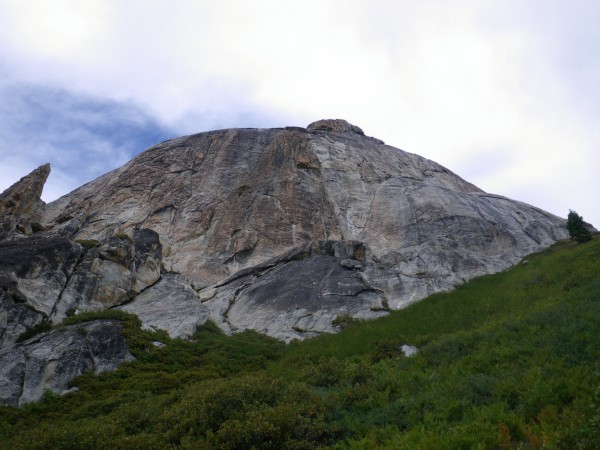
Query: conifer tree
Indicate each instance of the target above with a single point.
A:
(577, 229)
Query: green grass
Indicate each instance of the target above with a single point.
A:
(510, 360)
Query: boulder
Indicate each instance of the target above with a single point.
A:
(409, 350)
(335, 126)
(51, 360)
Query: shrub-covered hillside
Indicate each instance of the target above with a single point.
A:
(506, 361)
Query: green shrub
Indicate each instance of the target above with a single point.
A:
(387, 348)
(41, 327)
(577, 228)
(88, 244)
(343, 321)
(507, 361)
(246, 412)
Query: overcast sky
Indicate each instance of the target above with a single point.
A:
(504, 93)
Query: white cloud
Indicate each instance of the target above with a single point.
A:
(452, 81)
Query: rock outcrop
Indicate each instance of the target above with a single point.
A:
(40, 268)
(21, 205)
(16, 316)
(51, 360)
(335, 125)
(49, 277)
(284, 231)
(229, 200)
(112, 273)
(298, 294)
(170, 305)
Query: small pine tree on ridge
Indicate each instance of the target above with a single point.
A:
(577, 228)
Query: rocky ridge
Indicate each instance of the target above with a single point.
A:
(282, 231)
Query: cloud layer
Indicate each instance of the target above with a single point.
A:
(504, 93)
(80, 136)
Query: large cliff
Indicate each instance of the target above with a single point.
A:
(282, 231)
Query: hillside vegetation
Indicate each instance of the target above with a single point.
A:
(510, 360)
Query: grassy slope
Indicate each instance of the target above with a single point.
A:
(509, 360)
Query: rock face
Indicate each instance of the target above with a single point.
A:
(227, 201)
(170, 305)
(298, 294)
(276, 230)
(47, 277)
(40, 268)
(15, 315)
(51, 360)
(112, 273)
(20, 204)
(288, 232)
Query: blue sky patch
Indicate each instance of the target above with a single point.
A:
(80, 136)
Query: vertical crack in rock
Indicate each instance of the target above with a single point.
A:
(232, 301)
(68, 280)
(321, 289)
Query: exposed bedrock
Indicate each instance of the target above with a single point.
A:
(226, 200)
(222, 210)
(170, 305)
(51, 360)
(287, 231)
(298, 294)
(46, 278)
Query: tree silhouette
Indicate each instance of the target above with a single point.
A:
(577, 228)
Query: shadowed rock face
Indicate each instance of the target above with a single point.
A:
(298, 294)
(15, 315)
(54, 275)
(40, 268)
